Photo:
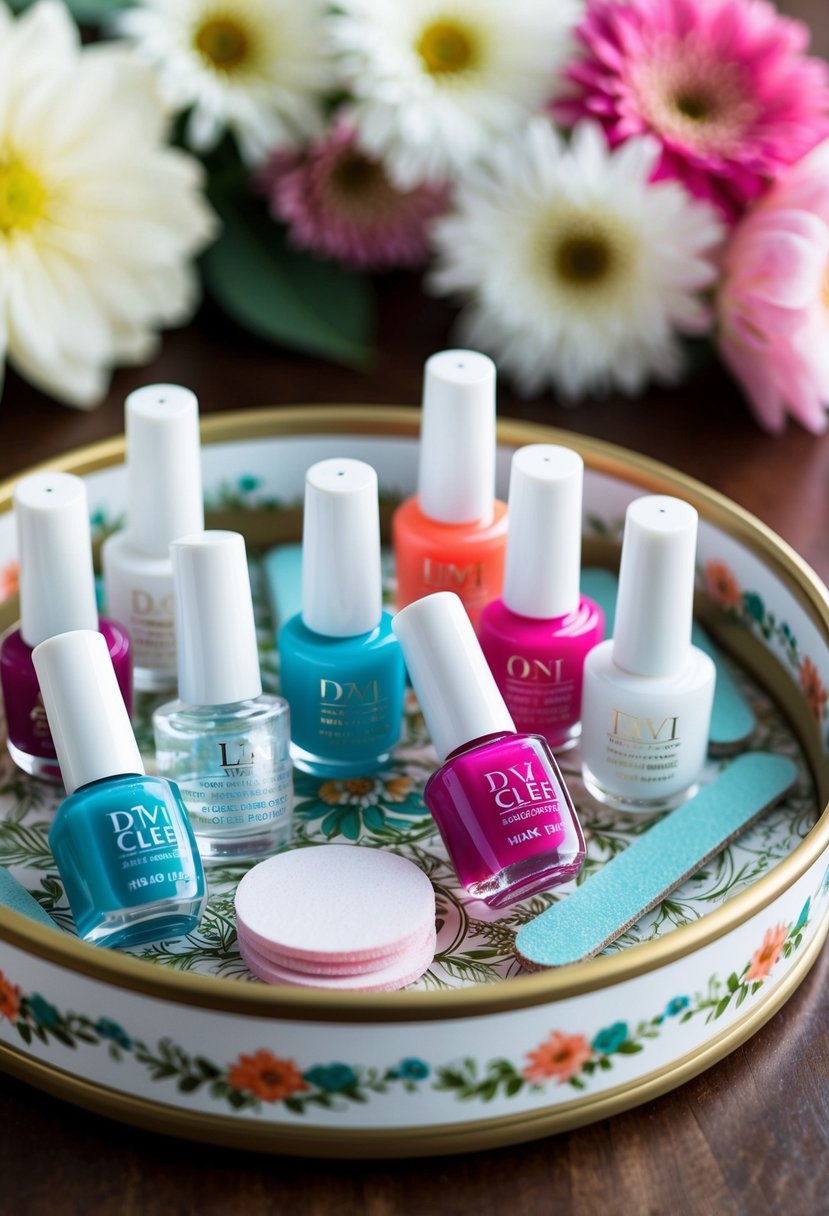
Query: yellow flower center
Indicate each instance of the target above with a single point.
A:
(447, 48)
(581, 260)
(223, 43)
(22, 197)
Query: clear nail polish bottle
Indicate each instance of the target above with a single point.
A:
(538, 634)
(57, 594)
(648, 692)
(121, 840)
(498, 799)
(164, 501)
(340, 664)
(451, 535)
(224, 742)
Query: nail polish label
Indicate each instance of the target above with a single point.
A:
(151, 626)
(246, 787)
(541, 693)
(649, 746)
(525, 801)
(351, 712)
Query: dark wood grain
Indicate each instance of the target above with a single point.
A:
(750, 1137)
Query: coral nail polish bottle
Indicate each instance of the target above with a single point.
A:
(57, 593)
(164, 501)
(648, 693)
(498, 799)
(452, 535)
(225, 743)
(537, 636)
(340, 663)
(121, 840)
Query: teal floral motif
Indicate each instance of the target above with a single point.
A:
(114, 1033)
(244, 493)
(333, 1078)
(412, 1069)
(611, 1039)
(676, 1006)
(385, 807)
(43, 1013)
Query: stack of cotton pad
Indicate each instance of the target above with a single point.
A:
(336, 916)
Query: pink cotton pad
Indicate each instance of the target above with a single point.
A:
(335, 903)
(396, 975)
(314, 967)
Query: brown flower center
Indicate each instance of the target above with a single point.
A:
(223, 43)
(446, 48)
(582, 260)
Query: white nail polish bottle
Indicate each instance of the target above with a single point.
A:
(648, 692)
(164, 502)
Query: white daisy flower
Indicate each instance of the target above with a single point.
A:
(580, 272)
(98, 217)
(255, 67)
(435, 81)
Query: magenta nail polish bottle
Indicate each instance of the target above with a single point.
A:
(499, 802)
(537, 636)
(57, 594)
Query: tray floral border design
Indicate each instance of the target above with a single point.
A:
(262, 1078)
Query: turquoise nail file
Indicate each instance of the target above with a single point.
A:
(655, 864)
(732, 718)
(18, 899)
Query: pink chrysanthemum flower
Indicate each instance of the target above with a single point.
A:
(340, 203)
(723, 84)
(773, 303)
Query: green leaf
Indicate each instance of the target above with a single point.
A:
(722, 1006)
(733, 982)
(373, 818)
(350, 824)
(188, 1084)
(743, 993)
(628, 1048)
(282, 295)
(513, 1086)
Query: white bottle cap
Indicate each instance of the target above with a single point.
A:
(218, 655)
(456, 473)
(342, 594)
(652, 634)
(543, 562)
(87, 716)
(57, 583)
(455, 688)
(164, 483)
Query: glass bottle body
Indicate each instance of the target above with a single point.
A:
(233, 766)
(139, 592)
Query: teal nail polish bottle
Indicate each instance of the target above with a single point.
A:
(121, 840)
(341, 666)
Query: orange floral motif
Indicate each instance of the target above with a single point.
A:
(398, 788)
(9, 580)
(721, 585)
(560, 1056)
(9, 999)
(266, 1076)
(764, 959)
(352, 790)
(813, 690)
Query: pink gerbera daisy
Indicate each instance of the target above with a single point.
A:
(723, 84)
(340, 203)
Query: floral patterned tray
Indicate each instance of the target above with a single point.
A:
(476, 1052)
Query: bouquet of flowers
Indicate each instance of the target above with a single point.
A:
(595, 182)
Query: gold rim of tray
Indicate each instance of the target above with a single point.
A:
(227, 995)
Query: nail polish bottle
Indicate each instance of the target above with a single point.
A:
(225, 744)
(648, 692)
(57, 593)
(452, 535)
(121, 840)
(498, 799)
(537, 636)
(164, 501)
(340, 664)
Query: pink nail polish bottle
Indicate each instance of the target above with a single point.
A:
(498, 799)
(57, 595)
(537, 636)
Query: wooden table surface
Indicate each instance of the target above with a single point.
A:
(750, 1136)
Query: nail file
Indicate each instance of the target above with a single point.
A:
(732, 718)
(18, 899)
(655, 864)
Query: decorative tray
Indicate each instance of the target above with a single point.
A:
(178, 1037)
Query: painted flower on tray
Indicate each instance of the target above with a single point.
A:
(266, 1076)
(561, 1056)
(723, 84)
(773, 304)
(98, 217)
(764, 959)
(349, 805)
(722, 586)
(340, 202)
(611, 1038)
(332, 1078)
(9, 999)
(44, 1012)
(255, 67)
(580, 273)
(813, 689)
(677, 1005)
(434, 82)
(113, 1033)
